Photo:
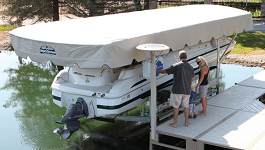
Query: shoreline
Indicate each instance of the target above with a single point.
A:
(245, 60)
(5, 42)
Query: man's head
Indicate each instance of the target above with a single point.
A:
(182, 55)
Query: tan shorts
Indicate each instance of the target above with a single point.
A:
(177, 99)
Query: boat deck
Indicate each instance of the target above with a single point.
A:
(235, 120)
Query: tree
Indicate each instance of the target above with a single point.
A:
(86, 8)
(16, 11)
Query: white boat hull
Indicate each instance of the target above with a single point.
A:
(130, 89)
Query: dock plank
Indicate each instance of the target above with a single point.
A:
(256, 80)
(238, 131)
(236, 97)
(259, 145)
(235, 119)
(197, 125)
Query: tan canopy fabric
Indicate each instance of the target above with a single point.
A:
(112, 39)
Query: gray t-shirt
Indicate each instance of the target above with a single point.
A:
(183, 73)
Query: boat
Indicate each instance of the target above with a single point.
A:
(104, 74)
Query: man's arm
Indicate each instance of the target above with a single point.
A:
(163, 71)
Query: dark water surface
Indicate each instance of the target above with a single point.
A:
(28, 114)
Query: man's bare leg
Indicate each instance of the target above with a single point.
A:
(175, 116)
(204, 106)
(186, 112)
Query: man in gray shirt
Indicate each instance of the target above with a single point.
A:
(183, 76)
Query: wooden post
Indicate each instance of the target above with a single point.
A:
(152, 4)
(208, 1)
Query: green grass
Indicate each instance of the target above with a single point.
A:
(7, 28)
(256, 13)
(249, 43)
(255, 1)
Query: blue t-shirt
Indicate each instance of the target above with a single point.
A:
(192, 97)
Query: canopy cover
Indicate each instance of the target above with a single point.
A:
(112, 39)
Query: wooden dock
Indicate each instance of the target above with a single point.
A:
(235, 120)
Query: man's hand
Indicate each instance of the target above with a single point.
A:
(163, 71)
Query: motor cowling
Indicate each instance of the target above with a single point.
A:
(71, 118)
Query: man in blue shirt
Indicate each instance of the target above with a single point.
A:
(183, 76)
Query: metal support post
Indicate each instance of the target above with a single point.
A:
(218, 65)
(153, 96)
(152, 48)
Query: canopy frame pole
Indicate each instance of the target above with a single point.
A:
(158, 57)
(218, 65)
(228, 47)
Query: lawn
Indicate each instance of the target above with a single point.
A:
(7, 28)
(252, 43)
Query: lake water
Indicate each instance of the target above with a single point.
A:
(28, 114)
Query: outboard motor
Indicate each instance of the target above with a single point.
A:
(71, 116)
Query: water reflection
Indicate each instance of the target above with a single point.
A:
(36, 113)
(108, 136)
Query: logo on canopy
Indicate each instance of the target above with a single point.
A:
(47, 50)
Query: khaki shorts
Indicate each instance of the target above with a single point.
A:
(177, 99)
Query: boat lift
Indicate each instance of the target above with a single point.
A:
(101, 57)
(153, 48)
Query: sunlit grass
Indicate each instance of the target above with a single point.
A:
(256, 13)
(7, 28)
(250, 43)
